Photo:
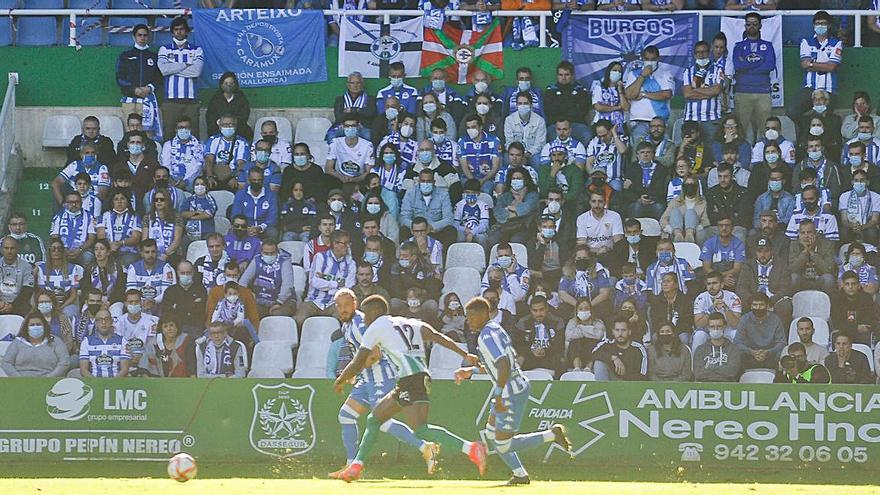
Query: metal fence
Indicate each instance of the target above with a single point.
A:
(7, 129)
(386, 15)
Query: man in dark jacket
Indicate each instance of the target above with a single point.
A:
(846, 365)
(853, 311)
(411, 270)
(567, 100)
(91, 134)
(539, 338)
(766, 274)
(187, 299)
(620, 358)
(645, 183)
(137, 72)
(729, 198)
(354, 101)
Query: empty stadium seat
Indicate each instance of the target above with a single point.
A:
(196, 250)
(311, 359)
(318, 328)
(760, 375)
(811, 303)
(60, 129)
(111, 126)
(821, 332)
(444, 362)
(488, 199)
(224, 200)
(462, 280)
(222, 225)
(123, 38)
(866, 350)
(285, 130)
(278, 329)
(690, 252)
(299, 280)
(295, 249)
(578, 376)
(38, 31)
(9, 325)
(650, 227)
(312, 129)
(319, 151)
(522, 254)
(273, 354)
(469, 254)
(264, 372)
(539, 375)
(89, 30)
(789, 131)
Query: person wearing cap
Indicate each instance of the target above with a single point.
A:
(577, 153)
(765, 273)
(561, 172)
(645, 184)
(769, 227)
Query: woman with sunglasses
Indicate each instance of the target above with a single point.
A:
(164, 225)
(59, 277)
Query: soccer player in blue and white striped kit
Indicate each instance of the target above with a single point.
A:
(510, 395)
(373, 383)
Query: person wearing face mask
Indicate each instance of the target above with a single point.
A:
(826, 170)
(270, 277)
(87, 163)
(231, 311)
(35, 351)
(515, 276)
(432, 109)
(772, 135)
(861, 105)
(481, 86)
(821, 55)
(649, 88)
(767, 273)
(775, 199)
(686, 217)
(199, 211)
(546, 254)
(444, 95)
(445, 145)
(718, 359)
(760, 335)
(229, 100)
(218, 355)
(137, 73)
(826, 223)
(134, 124)
(181, 63)
(104, 354)
(186, 299)
(865, 135)
(262, 161)
(429, 156)
(258, 204)
(391, 171)
(183, 154)
(471, 217)
(350, 157)
(703, 85)
(667, 262)
(480, 154)
(523, 85)
(609, 97)
(640, 250)
(668, 359)
(405, 94)
(30, 246)
(402, 136)
(856, 261)
(820, 120)
(226, 154)
(91, 136)
(280, 151)
(150, 275)
(515, 208)
(76, 229)
(330, 271)
(583, 276)
(753, 60)
(772, 162)
(136, 327)
(354, 101)
(527, 127)
(59, 277)
(431, 203)
(315, 182)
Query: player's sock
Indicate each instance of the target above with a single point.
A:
(401, 432)
(368, 441)
(510, 458)
(348, 421)
(437, 434)
(528, 440)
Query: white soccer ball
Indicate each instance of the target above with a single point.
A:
(182, 467)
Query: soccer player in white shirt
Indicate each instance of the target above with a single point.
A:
(402, 340)
(599, 228)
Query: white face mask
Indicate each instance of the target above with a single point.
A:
(482, 108)
(232, 298)
(473, 133)
(554, 207)
(406, 130)
(454, 305)
(336, 205)
(584, 315)
(199, 189)
(179, 42)
(771, 134)
(413, 303)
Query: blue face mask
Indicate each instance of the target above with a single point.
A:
(403, 263)
(134, 309)
(523, 110)
(90, 160)
(438, 138)
(227, 131)
(186, 280)
(820, 29)
(389, 158)
(859, 187)
(301, 160)
(184, 134)
(820, 108)
(426, 188)
(371, 257)
(438, 84)
(373, 208)
(504, 261)
(775, 185)
(814, 155)
(269, 259)
(633, 239)
(430, 107)
(517, 184)
(36, 331)
(524, 85)
(135, 149)
(426, 156)
(855, 160)
(350, 132)
(548, 233)
(864, 136)
(263, 156)
(396, 81)
(665, 257)
(391, 113)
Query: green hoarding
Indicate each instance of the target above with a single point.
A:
(717, 427)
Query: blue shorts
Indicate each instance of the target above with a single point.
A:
(369, 394)
(510, 420)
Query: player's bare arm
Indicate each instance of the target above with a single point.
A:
(354, 367)
(430, 334)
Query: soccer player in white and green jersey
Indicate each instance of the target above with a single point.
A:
(511, 392)
(402, 340)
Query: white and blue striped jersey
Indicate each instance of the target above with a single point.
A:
(872, 151)
(327, 274)
(493, 346)
(99, 174)
(401, 341)
(151, 283)
(229, 152)
(181, 66)
(104, 356)
(380, 372)
(577, 153)
(829, 51)
(826, 224)
(74, 230)
(704, 109)
(607, 157)
(183, 160)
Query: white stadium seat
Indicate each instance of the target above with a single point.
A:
(111, 126)
(789, 131)
(690, 252)
(760, 375)
(196, 250)
(10, 324)
(318, 328)
(821, 332)
(311, 359)
(223, 199)
(469, 254)
(278, 328)
(310, 129)
(811, 303)
(444, 362)
(319, 151)
(222, 225)
(462, 280)
(650, 227)
(522, 254)
(265, 372)
(272, 354)
(295, 249)
(864, 349)
(285, 130)
(539, 375)
(488, 199)
(578, 376)
(4, 344)
(60, 129)
(299, 280)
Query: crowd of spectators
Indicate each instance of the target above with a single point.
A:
(581, 196)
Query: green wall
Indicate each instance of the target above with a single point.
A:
(62, 76)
